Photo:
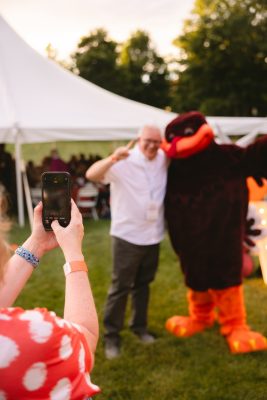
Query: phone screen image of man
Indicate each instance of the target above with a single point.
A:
(56, 202)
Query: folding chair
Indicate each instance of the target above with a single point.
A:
(36, 195)
(87, 200)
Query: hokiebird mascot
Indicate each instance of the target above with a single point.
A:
(206, 207)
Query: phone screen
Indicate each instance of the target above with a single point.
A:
(56, 198)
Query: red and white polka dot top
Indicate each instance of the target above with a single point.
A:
(43, 356)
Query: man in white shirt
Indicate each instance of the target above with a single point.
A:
(137, 180)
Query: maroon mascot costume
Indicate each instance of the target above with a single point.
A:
(206, 207)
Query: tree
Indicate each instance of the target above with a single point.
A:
(52, 54)
(223, 60)
(96, 60)
(145, 72)
(133, 69)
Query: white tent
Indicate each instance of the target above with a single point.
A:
(46, 102)
(42, 102)
(238, 126)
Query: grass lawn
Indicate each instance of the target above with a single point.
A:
(199, 368)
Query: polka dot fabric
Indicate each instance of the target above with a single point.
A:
(43, 357)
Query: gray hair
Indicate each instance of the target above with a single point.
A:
(140, 131)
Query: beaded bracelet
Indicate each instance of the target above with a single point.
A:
(28, 256)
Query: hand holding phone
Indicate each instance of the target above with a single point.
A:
(70, 239)
(56, 198)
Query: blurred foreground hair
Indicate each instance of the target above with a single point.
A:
(5, 251)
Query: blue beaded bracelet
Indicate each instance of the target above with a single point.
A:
(28, 256)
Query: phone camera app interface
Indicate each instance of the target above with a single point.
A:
(56, 200)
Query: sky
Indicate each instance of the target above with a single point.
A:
(63, 22)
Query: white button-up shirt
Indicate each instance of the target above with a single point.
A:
(135, 182)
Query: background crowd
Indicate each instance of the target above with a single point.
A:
(77, 166)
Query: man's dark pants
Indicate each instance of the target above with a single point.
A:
(134, 268)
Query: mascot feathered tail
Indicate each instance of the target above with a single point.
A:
(206, 208)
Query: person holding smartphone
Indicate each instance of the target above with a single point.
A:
(137, 180)
(48, 356)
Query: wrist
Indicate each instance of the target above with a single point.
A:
(27, 256)
(34, 247)
(73, 256)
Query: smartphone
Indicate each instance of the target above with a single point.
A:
(56, 198)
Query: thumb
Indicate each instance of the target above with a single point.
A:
(55, 226)
(130, 144)
(38, 209)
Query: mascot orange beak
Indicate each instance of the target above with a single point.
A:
(183, 147)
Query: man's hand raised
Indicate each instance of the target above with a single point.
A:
(122, 152)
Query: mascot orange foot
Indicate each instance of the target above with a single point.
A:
(246, 341)
(231, 316)
(184, 326)
(202, 316)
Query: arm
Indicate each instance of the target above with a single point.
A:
(79, 302)
(18, 270)
(97, 171)
(80, 307)
(17, 273)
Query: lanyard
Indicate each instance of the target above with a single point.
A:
(147, 167)
(148, 171)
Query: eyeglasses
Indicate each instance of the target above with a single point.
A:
(151, 141)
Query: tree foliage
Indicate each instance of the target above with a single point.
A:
(146, 73)
(133, 69)
(96, 60)
(223, 61)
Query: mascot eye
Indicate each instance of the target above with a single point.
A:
(171, 136)
(188, 131)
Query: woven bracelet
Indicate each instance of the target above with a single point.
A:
(28, 256)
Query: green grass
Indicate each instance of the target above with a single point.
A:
(198, 368)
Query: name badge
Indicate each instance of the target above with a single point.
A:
(152, 212)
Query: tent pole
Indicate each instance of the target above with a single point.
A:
(27, 194)
(221, 135)
(21, 218)
(248, 139)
